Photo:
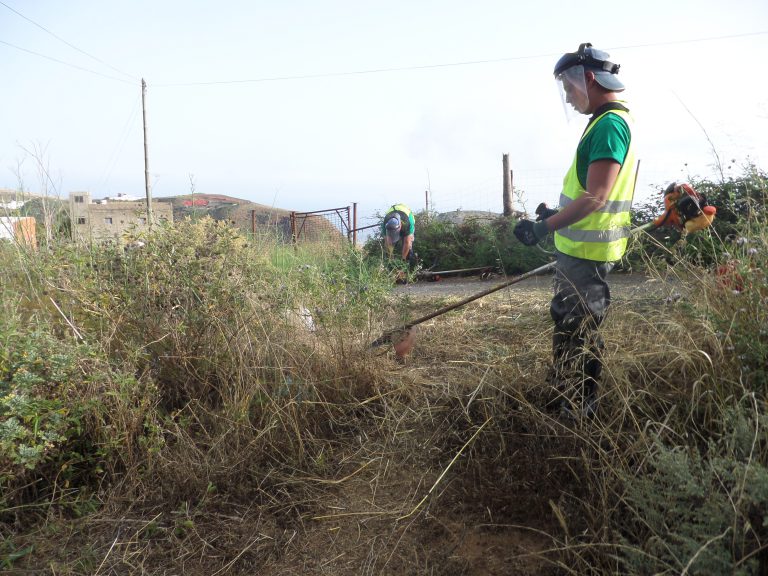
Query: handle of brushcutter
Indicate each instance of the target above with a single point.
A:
(387, 336)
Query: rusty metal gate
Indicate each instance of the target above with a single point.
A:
(332, 226)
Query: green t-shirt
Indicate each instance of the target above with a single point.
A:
(607, 140)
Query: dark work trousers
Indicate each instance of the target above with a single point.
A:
(578, 308)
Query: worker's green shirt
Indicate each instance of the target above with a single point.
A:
(607, 140)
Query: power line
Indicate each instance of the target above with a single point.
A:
(445, 65)
(691, 41)
(52, 59)
(341, 74)
(121, 143)
(60, 39)
(350, 73)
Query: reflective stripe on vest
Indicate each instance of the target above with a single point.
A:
(601, 235)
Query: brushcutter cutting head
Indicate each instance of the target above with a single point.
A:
(403, 340)
(385, 338)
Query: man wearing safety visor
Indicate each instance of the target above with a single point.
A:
(591, 225)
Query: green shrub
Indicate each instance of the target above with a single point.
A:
(702, 512)
(739, 200)
(444, 245)
(698, 502)
(66, 417)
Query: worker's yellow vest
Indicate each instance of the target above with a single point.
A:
(401, 208)
(602, 235)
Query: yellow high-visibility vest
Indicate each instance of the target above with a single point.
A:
(600, 236)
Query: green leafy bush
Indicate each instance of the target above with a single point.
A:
(66, 417)
(701, 512)
(445, 245)
(739, 200)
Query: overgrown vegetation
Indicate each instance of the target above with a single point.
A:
(741, 205)
(446, 245)
(209, 404)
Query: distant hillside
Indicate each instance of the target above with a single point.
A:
(7, 195)
(460, 216)
(233, 210)
(238, 212)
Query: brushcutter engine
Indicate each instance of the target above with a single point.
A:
(685, 209)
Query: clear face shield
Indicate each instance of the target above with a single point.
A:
(573, 91)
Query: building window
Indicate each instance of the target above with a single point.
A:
(81, 220)
(107, 220)
(79, 199)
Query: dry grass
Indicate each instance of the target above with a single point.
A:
(274, 448)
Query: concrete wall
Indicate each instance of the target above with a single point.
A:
(105, 220)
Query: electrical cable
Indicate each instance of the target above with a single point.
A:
(120, 145)
(64, 63)
(434, 66)
(60, 39)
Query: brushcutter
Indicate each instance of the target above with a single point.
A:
(684, 209)
(436, 275)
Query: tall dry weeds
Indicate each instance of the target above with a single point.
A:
(237, 409)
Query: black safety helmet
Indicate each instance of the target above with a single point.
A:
(595, 60)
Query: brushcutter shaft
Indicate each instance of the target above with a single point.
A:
(387, 336)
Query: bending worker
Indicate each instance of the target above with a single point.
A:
(399, 226)
(591, 226)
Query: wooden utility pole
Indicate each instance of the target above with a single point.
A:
(507, 185)
(512, 190)
(146, 156)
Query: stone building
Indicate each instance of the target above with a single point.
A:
(110, 219)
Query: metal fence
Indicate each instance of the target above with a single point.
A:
(331, 226)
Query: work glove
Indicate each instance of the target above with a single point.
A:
(530, 233)
(543, 212)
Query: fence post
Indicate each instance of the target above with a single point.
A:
(507, 185)
(354, 224)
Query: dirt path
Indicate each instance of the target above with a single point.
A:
(624, 286)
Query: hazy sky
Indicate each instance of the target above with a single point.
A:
(308, 105)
